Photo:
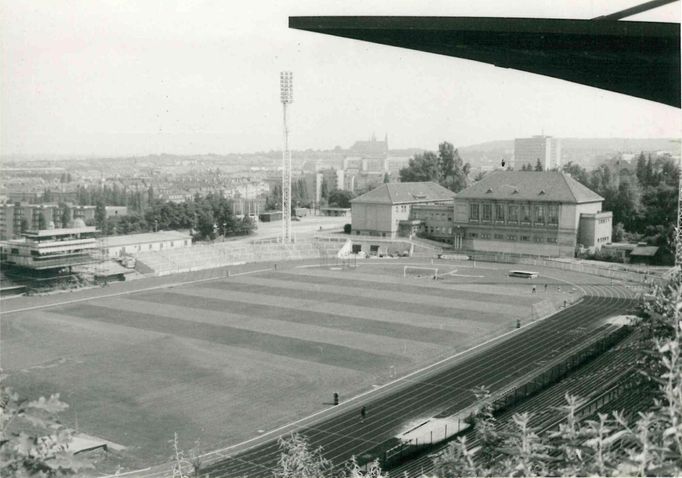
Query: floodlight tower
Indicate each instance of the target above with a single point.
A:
(287, 97)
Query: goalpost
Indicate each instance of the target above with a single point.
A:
(414, 271)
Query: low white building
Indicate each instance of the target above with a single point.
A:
(131, 244)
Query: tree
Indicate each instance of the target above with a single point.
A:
(297, 460)
(641, 170)
(340, 198)
(445, 168)
(239, 227)
(538, 165)
(206, 225)
(625, 203)
(324, 189)
(65, 216)
(387, 178)
(454, 173)
(24, 225)
(618, 233)
(422, 167)
(101, 216)
(32, 441)
(273, 202)
(299, 194)
(185, 465)
(652, 179)
(42, 222)
(577, 172)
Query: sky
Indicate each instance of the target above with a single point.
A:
(114, 78)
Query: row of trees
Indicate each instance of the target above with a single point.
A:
(445, 168)
(208, 217)
(300, 196)
(643, 199)
(529, 167)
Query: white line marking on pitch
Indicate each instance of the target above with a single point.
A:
(117, 294)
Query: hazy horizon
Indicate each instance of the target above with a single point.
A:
(192, 77)
(66, 156)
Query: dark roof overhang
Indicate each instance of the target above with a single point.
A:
(639, 59)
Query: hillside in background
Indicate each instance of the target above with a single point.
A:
(588, 152)
(585, 151)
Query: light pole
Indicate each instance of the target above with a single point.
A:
(287, 97)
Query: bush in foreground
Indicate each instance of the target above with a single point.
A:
(32, 441)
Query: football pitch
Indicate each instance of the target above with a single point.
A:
(221, 361)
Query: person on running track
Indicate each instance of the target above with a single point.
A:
(363, 414)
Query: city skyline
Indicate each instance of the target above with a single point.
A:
(119, 79)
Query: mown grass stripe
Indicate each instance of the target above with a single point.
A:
(311, 351)
(302, 316)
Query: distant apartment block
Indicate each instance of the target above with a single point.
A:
(313, 185)
(544, 148)
(17, 218)
(334, 178)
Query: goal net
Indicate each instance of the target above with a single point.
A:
(420, 272)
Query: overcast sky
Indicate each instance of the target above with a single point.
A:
(141, 77)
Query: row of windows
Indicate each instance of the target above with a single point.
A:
(427, 215)
(513, 237)
(604, 239)
(514, 213)
(436, 229)
(139, 247)
(371, 233)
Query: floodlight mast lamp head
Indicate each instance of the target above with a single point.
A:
(286, 87)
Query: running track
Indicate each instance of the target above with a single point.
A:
(446, 387)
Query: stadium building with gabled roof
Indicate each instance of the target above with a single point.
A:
(545, 213)
(381, 211)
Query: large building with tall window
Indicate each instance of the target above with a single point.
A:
(537, 213)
